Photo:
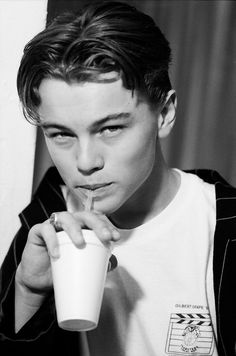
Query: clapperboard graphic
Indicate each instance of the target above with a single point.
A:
(190, 334)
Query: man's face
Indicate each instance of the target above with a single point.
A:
(101, 138)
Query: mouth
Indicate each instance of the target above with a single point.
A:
(94, 187)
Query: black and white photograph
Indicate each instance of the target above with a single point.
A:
(117, 177)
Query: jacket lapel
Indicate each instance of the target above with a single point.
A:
(47, 199)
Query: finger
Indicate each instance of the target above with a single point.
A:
(99, 223)
(114, 231)
(44, 235)
(71, 226)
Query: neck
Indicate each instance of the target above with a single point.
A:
(154, 196)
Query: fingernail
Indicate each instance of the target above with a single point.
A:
(115, 234)
(56, 253)
(106, 233)
(80, 243)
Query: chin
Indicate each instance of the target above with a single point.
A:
(106, 207)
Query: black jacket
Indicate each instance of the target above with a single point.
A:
(42, 336)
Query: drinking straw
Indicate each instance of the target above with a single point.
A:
(89, 202)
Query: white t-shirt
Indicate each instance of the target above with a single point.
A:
(160, 300)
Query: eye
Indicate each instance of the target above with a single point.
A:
(60, 137)
(111, 130)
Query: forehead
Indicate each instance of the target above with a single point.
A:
(89, 99)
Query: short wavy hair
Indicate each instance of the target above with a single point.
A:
(102, 37)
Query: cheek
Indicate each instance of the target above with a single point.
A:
(137, 156)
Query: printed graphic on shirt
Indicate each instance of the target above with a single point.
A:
(190, 334)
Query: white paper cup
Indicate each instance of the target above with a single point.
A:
(79, 276)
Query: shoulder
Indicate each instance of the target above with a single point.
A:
(213, 177)
(225, 193)
(209, 176)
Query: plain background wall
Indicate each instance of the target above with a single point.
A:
(20, 20)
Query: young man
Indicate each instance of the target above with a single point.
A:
(97, 84)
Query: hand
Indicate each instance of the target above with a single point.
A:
(34, 271)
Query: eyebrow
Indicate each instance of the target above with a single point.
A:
(100, 122)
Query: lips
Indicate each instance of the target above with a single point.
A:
(94, 187)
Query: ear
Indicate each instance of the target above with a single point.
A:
(167, 115)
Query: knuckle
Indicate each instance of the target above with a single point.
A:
(34, 228)
(45, 228)
(83, 217)
(63, 215)
(78, 214)
(99, 214)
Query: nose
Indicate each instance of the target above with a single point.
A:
(89, 157)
